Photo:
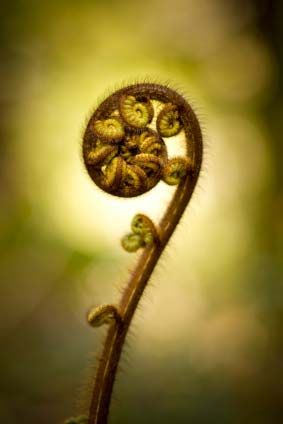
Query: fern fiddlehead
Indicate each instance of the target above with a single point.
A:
(125, 155)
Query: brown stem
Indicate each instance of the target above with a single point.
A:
(106, 372)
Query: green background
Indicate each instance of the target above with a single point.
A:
(206, 345)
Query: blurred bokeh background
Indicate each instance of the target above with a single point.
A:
(206, 345)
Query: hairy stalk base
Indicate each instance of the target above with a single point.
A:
(125, 155)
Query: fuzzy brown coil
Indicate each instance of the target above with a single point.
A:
(123, 147)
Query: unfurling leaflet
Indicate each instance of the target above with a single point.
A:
(103, 314)
(143, 234)
(135, 113)
(110, 130)
(168, 121)
(176, 169)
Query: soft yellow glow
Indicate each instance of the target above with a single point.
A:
(57, 102)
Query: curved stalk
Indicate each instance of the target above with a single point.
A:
(117, 332)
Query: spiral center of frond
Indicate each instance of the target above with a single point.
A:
(123, 151)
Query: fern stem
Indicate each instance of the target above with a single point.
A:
(117, 332)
